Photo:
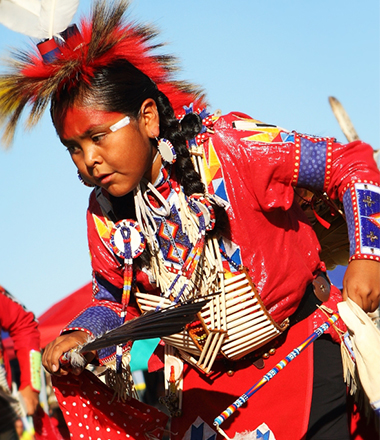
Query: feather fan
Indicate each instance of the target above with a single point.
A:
(153, 324)
(37, 18)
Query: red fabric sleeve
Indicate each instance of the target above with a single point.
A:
(276, 160)
(351, 162)
(103, 260)
(23, 329)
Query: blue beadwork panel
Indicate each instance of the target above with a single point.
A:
(97, 319)
(368, 199)
(312, 164)
(350, 220)
(364, 204)
(173, 241)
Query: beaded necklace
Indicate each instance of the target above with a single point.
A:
(185, 216)
(160, 221)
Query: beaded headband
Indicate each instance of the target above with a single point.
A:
(75, 54)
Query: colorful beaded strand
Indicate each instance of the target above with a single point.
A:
(189, 266)
(127, 285)
(275, 370)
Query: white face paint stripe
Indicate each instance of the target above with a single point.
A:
(122, 123)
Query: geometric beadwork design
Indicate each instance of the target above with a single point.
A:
(168, 228)
(199, 430)
(214, 173)
(259, 131)
(173, 243)
(231, 255)
(198, 433)
(363, 203)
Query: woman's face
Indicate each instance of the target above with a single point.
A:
(114, 160)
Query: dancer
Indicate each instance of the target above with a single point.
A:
(188, 203)
(23, 329)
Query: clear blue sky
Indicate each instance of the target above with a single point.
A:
(278, 61)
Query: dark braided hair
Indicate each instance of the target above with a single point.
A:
(178, 134)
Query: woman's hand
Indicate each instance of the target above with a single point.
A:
(361, 283)
(56, 348)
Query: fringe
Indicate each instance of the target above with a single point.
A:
(120, 382)
(349, 369)
(352, 380)
(205, 277)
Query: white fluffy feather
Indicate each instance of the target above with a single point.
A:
(56, 15)
(37, 18)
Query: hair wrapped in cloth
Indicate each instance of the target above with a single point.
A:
(77, 54)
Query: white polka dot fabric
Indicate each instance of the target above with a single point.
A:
(91, 412)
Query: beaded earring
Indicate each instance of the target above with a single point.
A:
(166, 150)
(82, 181)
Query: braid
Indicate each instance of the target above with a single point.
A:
(178, 133)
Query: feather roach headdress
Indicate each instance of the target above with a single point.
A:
(74, 55)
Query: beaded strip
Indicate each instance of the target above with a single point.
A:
(192, 260)
(35, 369)
(125, 228)
(361, 201)
(312, 154)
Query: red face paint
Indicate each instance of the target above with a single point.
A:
(79, 120)
(114, 160)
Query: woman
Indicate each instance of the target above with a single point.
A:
(186, 203)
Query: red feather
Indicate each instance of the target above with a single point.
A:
(100, 41)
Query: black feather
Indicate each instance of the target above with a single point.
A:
(152, 324)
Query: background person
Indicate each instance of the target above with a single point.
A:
(23, 329)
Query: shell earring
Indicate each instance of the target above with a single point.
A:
(166, 150)
(82, 181)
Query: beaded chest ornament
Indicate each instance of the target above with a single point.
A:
(235, 322)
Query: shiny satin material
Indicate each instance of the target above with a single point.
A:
(253, 170)
(275, 239)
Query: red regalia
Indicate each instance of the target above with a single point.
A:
(254, 169)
